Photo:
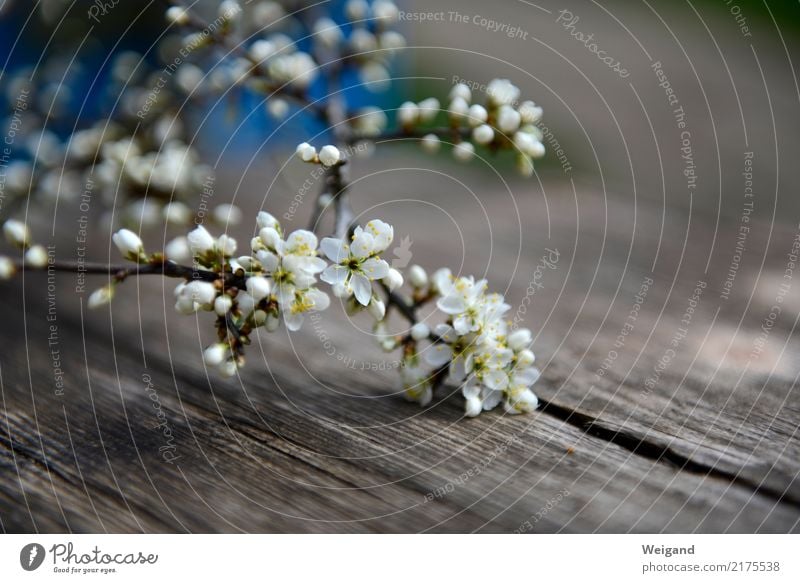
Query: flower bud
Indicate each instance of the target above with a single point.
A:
(377, 308)
(356, 9)
(384, 11)
(417, 276)
(272, 323)
(306, 152)
(129, 244)
(508, 120)
(327, 33)
(393, 279)
(215, 354)
(472, 407)
(431, 143)
(458, 108)
(265, 220)
(177, 15)
(330, 155)
(101, 297)
(7, 268)
(176, 213)
(420, 331)
(227, 214)
(519, 339)
(464, 152)
(525, 358)
(428, 108)
(228, 368)
(223, 304)
(408, 113)
(17, 233)
(178, 250)
(200, 241)
(483, 134)
(36, 256)
(477, 115)
(530, 112)
(277, 108)
(258, 287)
(461, 91)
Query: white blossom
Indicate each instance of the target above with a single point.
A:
(483, 134)
(17, 233)
(417, 276)
(330, 155)
(464, 151)
(36, 256)
(393, 280)
(129, 244)
(358, 264)
(101, 297)
(431, 143)
(7, 268)
(306, 152)
(462, 91)
(420, 331)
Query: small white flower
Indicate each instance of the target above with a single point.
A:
(101, 296)
(265, 220)
(508, 120)
(431, 143)
(472, 406)
(306, 152)
(461, 91)
(36, 256)
(428, 108)
(530, 112)
(226, 245)
(7, 268)
(393, 279)
(520, 400)
(223, 304)
(17, 233)
(358, 264)
(277, 108)
(502, 92)
(305, 301)
(177, 15)
(200, 241)
(416, 381)
(327, 33)
(408, 113)
(330, 155)
(417, 276)
(262, 49)
(178, 250)
(176, 213)
(420, 331)
(464, 152)
(356, 9)
(377, 308)
(227, 214)
(458, 109)
(391, 40)
(483, 134)
(520, 339)
(525, 358)
(385, 11)
(215, 354)
(477, 115)
(193, 296)
(129, 244)
(258, 287)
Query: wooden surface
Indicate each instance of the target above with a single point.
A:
(306, 441)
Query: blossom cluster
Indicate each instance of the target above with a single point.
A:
(278, 281)
(502, 123)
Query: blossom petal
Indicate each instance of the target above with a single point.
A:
(334, 274)
(363, 245)
(362, 288)
(439, 354)
(451, 304)
(375, 268)
(334, 249)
